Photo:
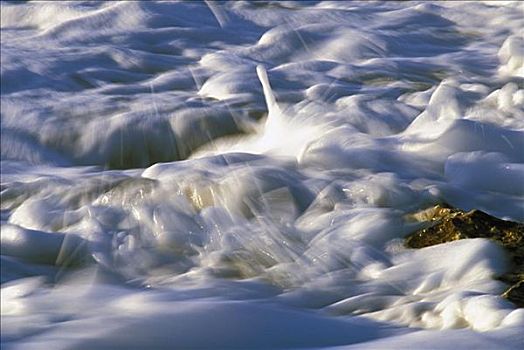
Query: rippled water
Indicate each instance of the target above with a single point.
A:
(217, 175)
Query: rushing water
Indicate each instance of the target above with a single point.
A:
(216, 175)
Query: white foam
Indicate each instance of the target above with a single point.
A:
(268, 156)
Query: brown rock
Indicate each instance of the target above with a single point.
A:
(449, 224)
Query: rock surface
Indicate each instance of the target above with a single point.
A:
(449, 224)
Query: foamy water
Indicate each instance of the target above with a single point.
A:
(238, 175)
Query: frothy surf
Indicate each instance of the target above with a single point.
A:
(218, 175)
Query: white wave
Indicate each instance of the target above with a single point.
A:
(236, 174)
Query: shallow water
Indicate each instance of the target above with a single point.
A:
(218, 175)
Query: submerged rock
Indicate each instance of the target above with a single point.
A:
(449, 224)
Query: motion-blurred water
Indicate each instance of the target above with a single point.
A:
(238, 174)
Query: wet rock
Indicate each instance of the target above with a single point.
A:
(447, 224)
